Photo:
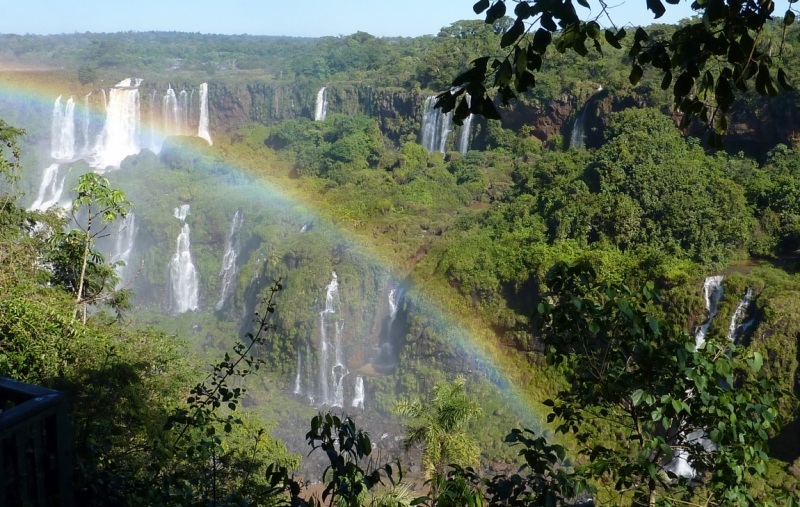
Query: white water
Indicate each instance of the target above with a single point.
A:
(738, 314)
(298, 388)
(124, 244)
(436, 127)
(50, 189)
(576, 136)
(85, 150)
(465, 132)
(229, 257)
(713, 291)
(358, 399)
(183, 108)
(120, 136)
(182, 273)
(202, 128)
(62, 137)
(321, 107)
(170, 113)
(332, 370)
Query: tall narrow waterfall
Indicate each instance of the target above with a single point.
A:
(154, 143)
(386, 353)
(321, 109)
(229, 257)
(298, 386)
(202, 128)
(170, 113)
(183, 282)
(358, 398)
(734, 328)
(62, 136)
(713, 291)
(86, 117)
(123, 247)
(436, 127)
(332, 370)
(576, 136)
(465, 132)
(50, 189)
(183, 110)
(120, 136)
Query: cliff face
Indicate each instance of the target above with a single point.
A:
(755, 126)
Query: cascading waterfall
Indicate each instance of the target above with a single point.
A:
(358, 398)
(120, 136)
(332, 371)
(182, 273)
(202, 128)
(170, 113)
(436, 127)
(229, 257)
(124, 244)
(466, 131)
(62, 140)
(298, 388)
(321, 107)
(183, 108)
(50, 189)
(735, 328)
(85, 150)
(713, 291)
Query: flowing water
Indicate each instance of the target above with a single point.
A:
(713, 291)
(120, 135)
(576, 136)
(183, 278)
(50, 189)
(331, 370)
(465, 132)
(123, 248)
(62, 140)
(321, 108)
(436, 127)
(170, 113)
(202, 128)
(358, 398)
(231, 253)
(86, 143)
(735, 329)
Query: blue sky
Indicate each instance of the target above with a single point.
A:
(306, 18)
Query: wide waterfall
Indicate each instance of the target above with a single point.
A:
(120, 136)
(170, 113)
(713, 291)
(735, 329)
(436, 127)
(229, 257)
(202, 128)
(62, 137)
(358, 398)
(50, 189)
(321, 107)
(332, 370)
(466, 131)
(183, 280)
(123, 247)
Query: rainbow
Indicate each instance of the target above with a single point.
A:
(501, 368)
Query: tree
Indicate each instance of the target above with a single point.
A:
(440, 426)
(690, 423)
(712, 57)
(75, 248)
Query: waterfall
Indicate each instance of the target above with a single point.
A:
(124, 244)
(155, 145)
(202, 128)
(436, 127)
(358, 399)
(321, 109)
(368, 104)
(229, 257)
(120, 136)
(170, 114)
(298, 389)
(85, 150)
(183, 110)
(734, 327)
(331, 370)
(576, 136)
(62, 139)
(182, 273)
(713, 291)
(465, 132)
(191, 107)
(50, 189)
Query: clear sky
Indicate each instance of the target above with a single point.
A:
(306, 18)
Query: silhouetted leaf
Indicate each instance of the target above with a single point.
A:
(636, 74)
(513, 33)
(480, 6)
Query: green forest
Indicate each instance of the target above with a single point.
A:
(586, 300)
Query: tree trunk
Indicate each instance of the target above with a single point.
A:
(83, 270)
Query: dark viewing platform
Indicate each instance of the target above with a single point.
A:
(35, 461)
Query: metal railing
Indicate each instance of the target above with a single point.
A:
(35, 461)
